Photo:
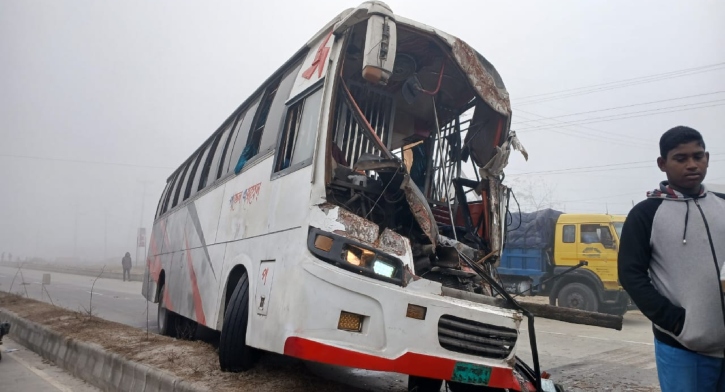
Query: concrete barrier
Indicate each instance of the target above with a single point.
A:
(91, 362)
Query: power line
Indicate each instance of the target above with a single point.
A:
(624, 116)
(633, 105)
(594, 137)
(613, 166)
(601, 198)
(592, 131)
(626, 80)
(85, 162)
(600, 136)
(617, 84)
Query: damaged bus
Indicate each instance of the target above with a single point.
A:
(329, 217)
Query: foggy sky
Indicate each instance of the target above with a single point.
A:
(143, 84)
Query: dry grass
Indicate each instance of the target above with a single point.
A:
(193, 361)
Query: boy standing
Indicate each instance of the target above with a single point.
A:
(670, 262)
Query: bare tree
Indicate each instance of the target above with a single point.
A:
(89, 311)
(534, 194)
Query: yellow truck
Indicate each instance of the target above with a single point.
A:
(540, 246)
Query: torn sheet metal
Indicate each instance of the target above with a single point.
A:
(362, 230)
(420, 209)
(357, 227)
(466, 250)
(391, 242)
(494, 167)
(483, 77)
(498, 213)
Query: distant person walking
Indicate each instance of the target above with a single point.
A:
(126, 263)
(671, 264)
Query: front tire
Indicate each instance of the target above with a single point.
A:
(234, 354)
(578, 296)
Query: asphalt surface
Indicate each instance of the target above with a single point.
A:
(582, 358)
(23, 370)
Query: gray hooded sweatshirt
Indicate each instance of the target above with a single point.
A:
(670, 262)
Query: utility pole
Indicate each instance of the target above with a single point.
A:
(140, 225)
(75, 234)
(105, 235)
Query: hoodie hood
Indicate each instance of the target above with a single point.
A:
(666, 192)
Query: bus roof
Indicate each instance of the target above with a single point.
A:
(483, 77)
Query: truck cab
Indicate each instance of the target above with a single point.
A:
(593, 238)
(542, 245)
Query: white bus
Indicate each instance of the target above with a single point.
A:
(329, 219)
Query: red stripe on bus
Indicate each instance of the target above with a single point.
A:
(408, 363)
(198, 308)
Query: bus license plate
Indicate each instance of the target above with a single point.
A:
(469, 373)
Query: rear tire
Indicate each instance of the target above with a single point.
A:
(234, 354)
(167, 319)
(423, 384)
(578, 296)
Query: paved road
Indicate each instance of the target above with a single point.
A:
(113, 299)
(580, 357)
(23, 370)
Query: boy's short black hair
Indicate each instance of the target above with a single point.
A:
(676, 136)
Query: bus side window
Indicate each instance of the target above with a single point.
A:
(277, 110)
(239, 137)
(215, 170)
(181, 183)
(172, 188)
(192, 185)
(203, 178)
(160, 207)
(298, 136)
(267, 120)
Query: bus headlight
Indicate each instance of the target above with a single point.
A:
(354, 256)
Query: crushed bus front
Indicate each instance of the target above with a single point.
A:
(415, 202)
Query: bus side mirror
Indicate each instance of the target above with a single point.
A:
(381, 42)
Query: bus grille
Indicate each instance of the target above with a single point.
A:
(474, 338)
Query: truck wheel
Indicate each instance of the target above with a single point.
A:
(578, 296)
(234, 354)
(422, 384)
(167, 319)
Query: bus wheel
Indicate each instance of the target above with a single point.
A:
(422, 384)
(578, 296)
(167, 319)
(234, 354)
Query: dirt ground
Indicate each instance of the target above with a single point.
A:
(194, 361)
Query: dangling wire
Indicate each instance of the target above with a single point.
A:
(519, 208)
(381, 194)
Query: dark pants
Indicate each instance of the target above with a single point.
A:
(127, 271)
